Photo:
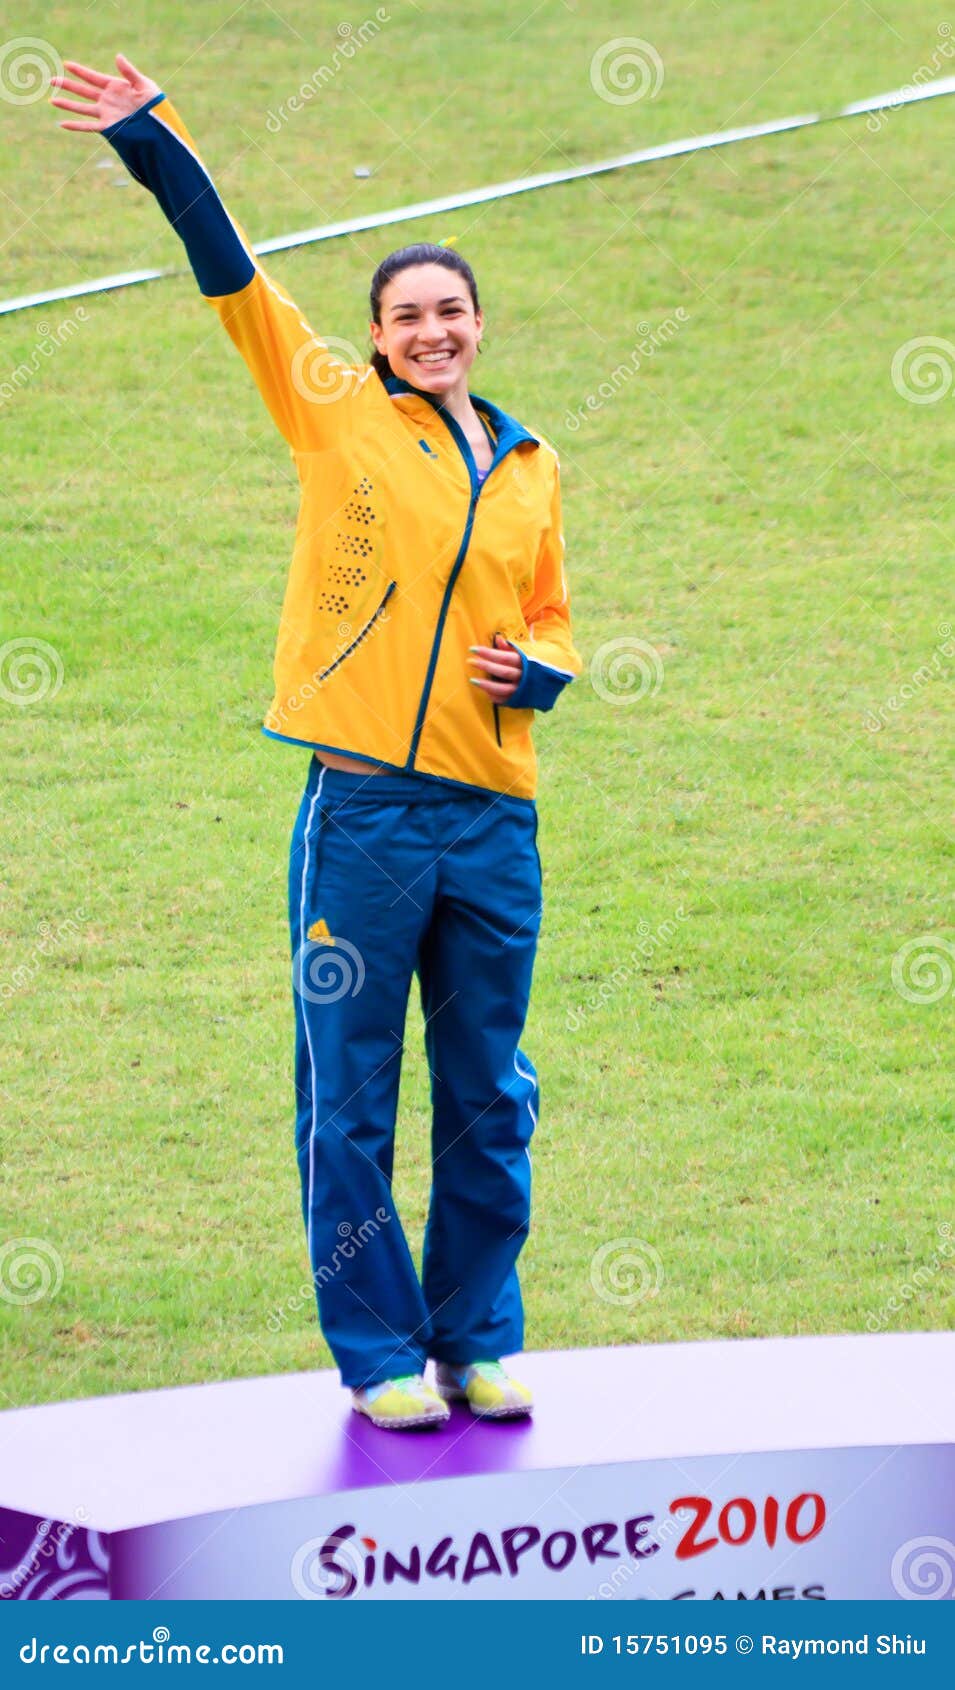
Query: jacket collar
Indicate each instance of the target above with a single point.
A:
(508, 431)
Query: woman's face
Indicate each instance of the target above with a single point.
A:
(429, 330)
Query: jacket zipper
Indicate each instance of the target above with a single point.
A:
(359, 636)
(436, 642)
(476, 489)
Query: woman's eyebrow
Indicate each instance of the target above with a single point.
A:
(412, 304)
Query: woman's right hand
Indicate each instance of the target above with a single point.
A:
(108, 98)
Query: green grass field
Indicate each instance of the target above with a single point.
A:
(734, 1081)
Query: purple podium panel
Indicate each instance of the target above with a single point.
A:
(774, 1468)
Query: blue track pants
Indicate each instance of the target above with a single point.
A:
(392, 875)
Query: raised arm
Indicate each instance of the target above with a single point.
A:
(308, 390)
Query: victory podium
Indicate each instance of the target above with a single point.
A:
(767, 1469)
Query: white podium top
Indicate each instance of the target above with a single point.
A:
(132, 1460)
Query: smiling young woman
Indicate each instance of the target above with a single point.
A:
(427, 336)
(429, 545)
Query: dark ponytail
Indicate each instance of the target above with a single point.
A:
(425, 252)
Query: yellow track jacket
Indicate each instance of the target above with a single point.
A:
(402, 561)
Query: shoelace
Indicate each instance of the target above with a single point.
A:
(413, 1383)
(492, 1371)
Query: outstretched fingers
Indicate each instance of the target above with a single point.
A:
(86, 89)
(85, 105)
(134, 77)
(71, 105)
(96, 77)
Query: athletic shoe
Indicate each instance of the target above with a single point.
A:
(486, 1387)
(406, 1400)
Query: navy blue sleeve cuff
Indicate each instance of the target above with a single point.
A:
(157, 158)
(539, 687)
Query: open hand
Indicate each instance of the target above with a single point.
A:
(108, 98)
(502, 666)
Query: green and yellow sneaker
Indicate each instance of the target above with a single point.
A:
(406, 1400)
(485, 1386)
